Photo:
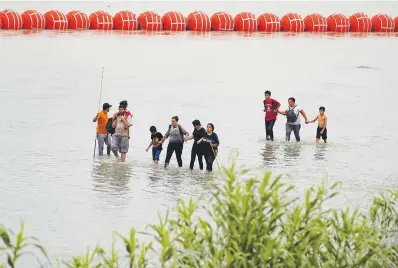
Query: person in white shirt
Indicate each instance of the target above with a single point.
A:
(293, 119)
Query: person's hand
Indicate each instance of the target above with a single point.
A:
(198, 142)
(146, 150)
(306, 121)
(321, 132)
(264, 110)
(160, 142)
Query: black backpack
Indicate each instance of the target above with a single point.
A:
(109, 128)
(291, 115)
(182, 134)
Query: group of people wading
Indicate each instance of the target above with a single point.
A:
(271, 109)
(114, 132)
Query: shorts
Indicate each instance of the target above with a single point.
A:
(156, 154)
(120, 144)
(319, 135)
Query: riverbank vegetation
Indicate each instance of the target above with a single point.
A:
(251, 223)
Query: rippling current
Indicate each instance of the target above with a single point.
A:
(49, 91)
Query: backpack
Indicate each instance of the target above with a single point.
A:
(182, 134)
(109, 127)
(291, 115)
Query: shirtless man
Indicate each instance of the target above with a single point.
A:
(321, 131)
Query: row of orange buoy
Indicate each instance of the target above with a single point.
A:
(196, 21)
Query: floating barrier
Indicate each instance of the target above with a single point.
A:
(268, 22)
(292, 22)
(33, 19)
(382, 23)
(55, 20)
(222, 21)
(77, 20)
(101, 20)
(315, 23)
(197, 21)
(338, 23)
(150, 21)
(174, 21)
(126, 21)
(360, 22)
(10, 20)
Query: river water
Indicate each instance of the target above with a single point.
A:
(49, 92)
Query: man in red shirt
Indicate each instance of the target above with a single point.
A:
(271, 107)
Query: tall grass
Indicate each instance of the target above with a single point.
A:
(251, 224)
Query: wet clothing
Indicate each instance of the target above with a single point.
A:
(295, 129)
(104, 139)
(171, 148)
(101, 123)
(120, 144)
(210, 153)
(270, 105)
(293, 113)
(121, 129)
(269, 129)
(155, 140)
(197, 149)
(323, 135)
(156, 154)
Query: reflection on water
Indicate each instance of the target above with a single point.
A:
(111, 176)
(291, 151)
(269, 153)
(320, 151)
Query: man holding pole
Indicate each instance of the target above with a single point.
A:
(102, 134)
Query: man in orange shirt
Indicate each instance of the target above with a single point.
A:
(102, 134)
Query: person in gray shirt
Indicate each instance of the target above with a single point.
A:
(293, 119)
(176, 142)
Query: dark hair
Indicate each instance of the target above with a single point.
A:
(122, 106)
(196, 122)
(175, 118)
(321, 108)
(152, 129)
(124, 102)
(292, 99)
(212, 126)
(267, 92)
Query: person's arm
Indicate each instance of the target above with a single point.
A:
(199, 141)
(312, 121)
(324, 127)
(189, 138)
(186, 134)
(277, 106)
(149, 146)
(216, 142)
(165, 136)
(304, 115)
(96, 118)
(282, 112)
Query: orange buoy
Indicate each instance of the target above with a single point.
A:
(245, 22)
(382, 23)
(268, 22)
(315, 23)
(150, 21)
(10, 20)
(360, 22)
(33, 19)
(77, 20)
(396, 23)
(126, 21)
(55, 20)
(101, 20)
(198, 21)
(338, 23)
(222, 21)
(174, 21)
(292, 22)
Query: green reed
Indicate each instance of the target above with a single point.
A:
(252, 223)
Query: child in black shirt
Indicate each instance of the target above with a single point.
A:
(156, 147)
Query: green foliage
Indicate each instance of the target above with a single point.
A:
(253, 223)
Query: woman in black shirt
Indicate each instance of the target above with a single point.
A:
(210, 146)
(197, 148)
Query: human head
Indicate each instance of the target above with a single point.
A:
(210, 127)
(152, 129)
(196, 124)
(122, 109)
(124, 103)
(291, 101)
(174, 121)
(321, 110)
(106, 107)
(267, 94)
